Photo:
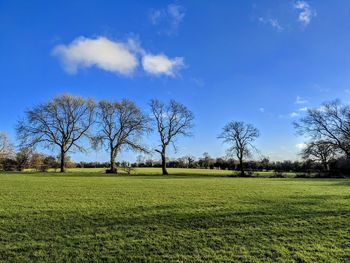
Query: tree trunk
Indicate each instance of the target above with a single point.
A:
(241, 166)
(62, 165)
(112, 166)
(164, 170)
(325, 166)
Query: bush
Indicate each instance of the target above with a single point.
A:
(248, 173)
(9, 165)
(43, 168)
(109, 171)
(277, 174)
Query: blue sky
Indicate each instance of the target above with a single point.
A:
(261, 62)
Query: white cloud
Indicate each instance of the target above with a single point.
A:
(303, 109)
(100, 52)
(300, 100)
(300, 146)
(294, 114)
(273, 22)
(306, 12)
(113, 56)
(161, 64)
(135, 47)
(169, 17)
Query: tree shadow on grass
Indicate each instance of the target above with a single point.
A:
(341, 182)
(171, 232)
(105, 175)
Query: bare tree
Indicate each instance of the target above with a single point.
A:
(60, 122)
(319, 151)
(37, 161)
(23, 157)
(241, 137)
(189, 160)
(122, 125)
(6, 148)
(206, 160)
(330, 124)
(172, 120)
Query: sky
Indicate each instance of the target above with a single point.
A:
(261, 62)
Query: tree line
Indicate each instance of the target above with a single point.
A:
(66, 123)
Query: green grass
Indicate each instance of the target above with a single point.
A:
(158, 171)
(96, 217)
(172, 171)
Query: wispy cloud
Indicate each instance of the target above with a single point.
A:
(176, 13)
(114, 56)
(169, 18)
(273, 22)
(300, 100)
(262, 110)
(155, 16)
(279, 17)
(198, 82)
(306, 12)
(294, 114)
(303, 109)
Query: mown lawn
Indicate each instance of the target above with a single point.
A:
(95, 217)
(173, 171)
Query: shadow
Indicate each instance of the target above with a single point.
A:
(121, 175)
(250, 230)
(341, 182)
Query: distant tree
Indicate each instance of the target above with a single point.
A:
(265, 163)
(60, 122)
(37, 161)
(6, 148)
(220, 163)
(319, 151)
(206, 160)
(140, 159)
(180, 162)
(51, 162)
(330, 124)
(9, 164)
(149, 163)
(121, 125)
(68, 162)
(23, 157)
(241, 137)
(171, 120)
(190, 161)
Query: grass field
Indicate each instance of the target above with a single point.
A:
(172, 171)
(90, 216)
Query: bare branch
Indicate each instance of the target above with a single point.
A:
(121, 125)
(240, 136)
(61, 122)
(171, 120)
(330, 124)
